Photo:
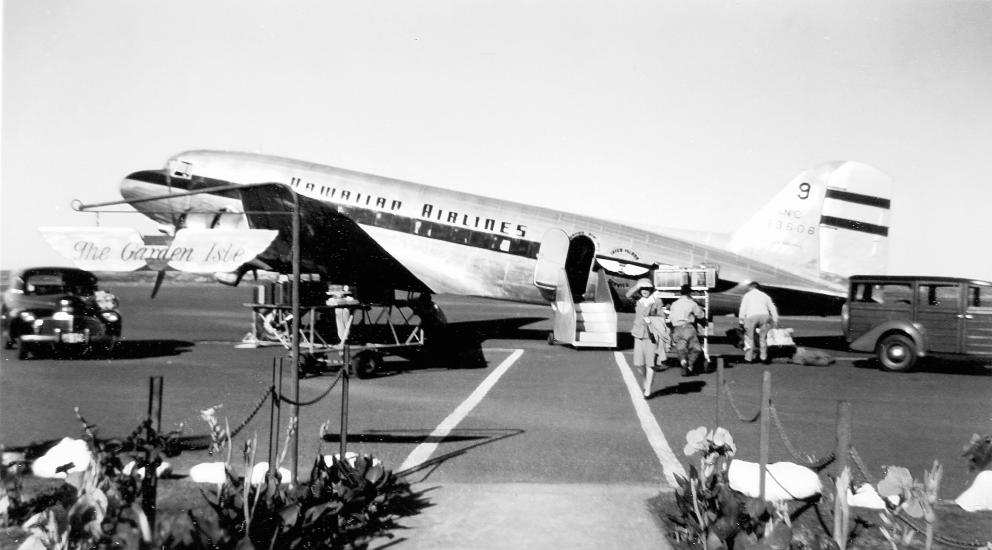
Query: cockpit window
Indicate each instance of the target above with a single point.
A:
(180, 169)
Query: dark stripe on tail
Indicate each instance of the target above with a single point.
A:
(853, 225)
(857, 198)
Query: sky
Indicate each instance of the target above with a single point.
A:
(687, 113)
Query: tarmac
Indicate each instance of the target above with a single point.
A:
(503, 516)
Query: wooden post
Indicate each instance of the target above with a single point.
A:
(843, 434)
(273, 431)
(294, 408)
(344, 401)
(149, 484)
(719, 389)
(766, 399)
(843, 448)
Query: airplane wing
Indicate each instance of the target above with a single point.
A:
(332, 244)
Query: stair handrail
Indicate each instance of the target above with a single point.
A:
(564, 318)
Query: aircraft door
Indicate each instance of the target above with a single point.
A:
(578, 263)
(551, 259)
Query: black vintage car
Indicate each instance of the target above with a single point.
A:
(58, 310)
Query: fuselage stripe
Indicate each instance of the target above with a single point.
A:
(858, 198)
(853, 225)
(464, 236)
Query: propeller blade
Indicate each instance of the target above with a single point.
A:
(158, 283)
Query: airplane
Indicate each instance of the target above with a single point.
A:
(384, 234)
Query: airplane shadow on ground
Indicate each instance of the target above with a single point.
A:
(459, 345)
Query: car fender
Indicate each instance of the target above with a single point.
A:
(869, 340)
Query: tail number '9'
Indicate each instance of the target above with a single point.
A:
(804, 189)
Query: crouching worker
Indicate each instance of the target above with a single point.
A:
(684, 313)
(757, 315)
(645, 343)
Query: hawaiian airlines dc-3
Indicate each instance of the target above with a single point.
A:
(374, 232)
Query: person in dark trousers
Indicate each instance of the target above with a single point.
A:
(684, 314)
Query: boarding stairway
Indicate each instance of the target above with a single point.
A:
(588, 323)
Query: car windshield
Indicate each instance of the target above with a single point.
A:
(47, 284)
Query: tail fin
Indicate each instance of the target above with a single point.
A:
(830, 221)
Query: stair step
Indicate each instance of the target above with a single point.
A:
(607, 339)
(596, 315)
(595, 306)
(595, 326)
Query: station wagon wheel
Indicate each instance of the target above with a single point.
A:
(896, 353)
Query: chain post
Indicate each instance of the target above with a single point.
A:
(843, 434)
(149, 484)
(766, 398)
(344, 401)
(719, 389)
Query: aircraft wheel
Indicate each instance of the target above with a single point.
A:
(366, 364)
(551, 338)
(896, 353)
(308, 365)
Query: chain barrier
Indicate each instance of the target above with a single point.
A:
(808, 460)
(258, 406)
(863, 470)
(733, 405)
(337, 379)
(940, 538)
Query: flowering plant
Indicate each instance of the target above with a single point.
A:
(914, 498)
(711, 512)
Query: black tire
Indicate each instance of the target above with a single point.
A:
(366, 364)
(308, 365)
(23, 351)
(551, 338)
(896, 353)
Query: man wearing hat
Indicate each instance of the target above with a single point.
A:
(644, 346)
(684, 313)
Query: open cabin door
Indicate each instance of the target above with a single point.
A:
(550, 262)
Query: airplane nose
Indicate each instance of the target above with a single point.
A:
(143, 185)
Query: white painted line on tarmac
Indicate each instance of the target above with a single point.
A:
(669, 463)
(425, 450)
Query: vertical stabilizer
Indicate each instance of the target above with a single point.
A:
(830, 221)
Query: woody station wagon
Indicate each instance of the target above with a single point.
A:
(905, 318)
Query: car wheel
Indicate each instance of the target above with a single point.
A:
(23, 352)
(366, 364)
(897, 353)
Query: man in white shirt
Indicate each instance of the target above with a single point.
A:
(757, 313)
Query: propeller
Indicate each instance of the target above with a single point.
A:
(159, 277)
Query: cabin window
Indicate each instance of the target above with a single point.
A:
(505, 245)
(884, 293)
(980, 296)
(940, 296)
